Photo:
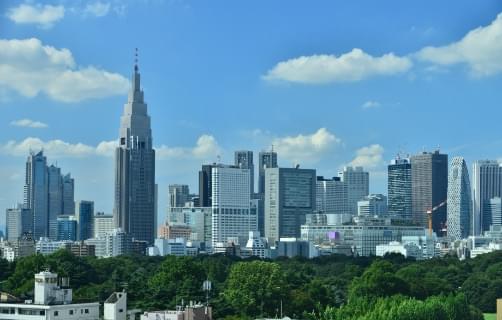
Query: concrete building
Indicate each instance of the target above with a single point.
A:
(256, 245)
(429, 184)
(50, 302)
(103, 224)
(19, 221)
(85, 219)
(266, 159)
(135, 189)
(115, 307)
(486, 184)
(198, 219)
(331, 196)
(290, 195)
(179, 195)
(293, 247)
(362, 236)
(358, 186)
(372, 205)
(36, 190)
(173, 231)
(189, 312)
(232, 216)
(459, 200)
(165, 247)
(244, 159)
(399, 188)
(47, 246)
(80, 249)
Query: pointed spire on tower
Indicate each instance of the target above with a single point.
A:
(136, 60)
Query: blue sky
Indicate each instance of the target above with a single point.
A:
(329, 83)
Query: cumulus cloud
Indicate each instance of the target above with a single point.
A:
(28, 123)
(56, 148)
(97, 9)
(43, 16)
(480, 49)
(369, 157)
(306, 148)
(29, 67)
(205, 148)
(353, 66)
(371, 104)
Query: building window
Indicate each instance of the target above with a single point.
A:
(56, 313)
(70, 312)
(121, 310)
(86, 311)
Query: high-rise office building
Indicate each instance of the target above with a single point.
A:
(486, 184)
(290, 195)
(205, 185)
(231, 204)
(459, 200)
(358, 186)
(179, 195)
(85, 219)
(103, 224)
(68, 195)
(331, 196)
(55, 182)
(399, 188)
(495, 208)
(134, 210)
(372, 205)
(36, 193)
(429, 187)
(19, 221)
(244, 160)
(266, 159)
(66, 228)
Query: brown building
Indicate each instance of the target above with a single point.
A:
(167, 231)
(80, 249)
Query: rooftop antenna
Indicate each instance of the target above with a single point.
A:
(272, 148)
(218, 159)
(136, 59)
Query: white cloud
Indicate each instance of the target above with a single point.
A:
(29, 67)
(206, 148)
(369, 157)
(349, 67)
(97, 9)
(57, 148)
(305, 148)
(43, 16)
(371, 104)
(480, 49)
(28, 123)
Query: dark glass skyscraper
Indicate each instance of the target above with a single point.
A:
(134, 210)
(244, 160)
(205, 185)
(36, 190)
(429, 187)
(267, 159)
(399, 188)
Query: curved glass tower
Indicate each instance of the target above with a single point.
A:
(134, 210)
(459, 200)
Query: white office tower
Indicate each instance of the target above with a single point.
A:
(358, 186)
(486, 184)
(372, 205)
(103, 224)
(232, 216)
(459, 200)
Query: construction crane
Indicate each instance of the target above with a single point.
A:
(430, 212)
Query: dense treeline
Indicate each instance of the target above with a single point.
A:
(331, 287)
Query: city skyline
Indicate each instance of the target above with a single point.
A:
(321, 120)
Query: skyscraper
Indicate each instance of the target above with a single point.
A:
(19, 221)
(358, 186)
(290, 194)
(459, 200)
(68, 195)
(85, 217)
(35, 193)
(205, 185)
(486, 184)
(231, 204)
(179, 194)
(267, 159)
(134, 210)
(399, 188)
(331, 196)
(495, 208)
(244, 160)
(429, 187)
(55, 195)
